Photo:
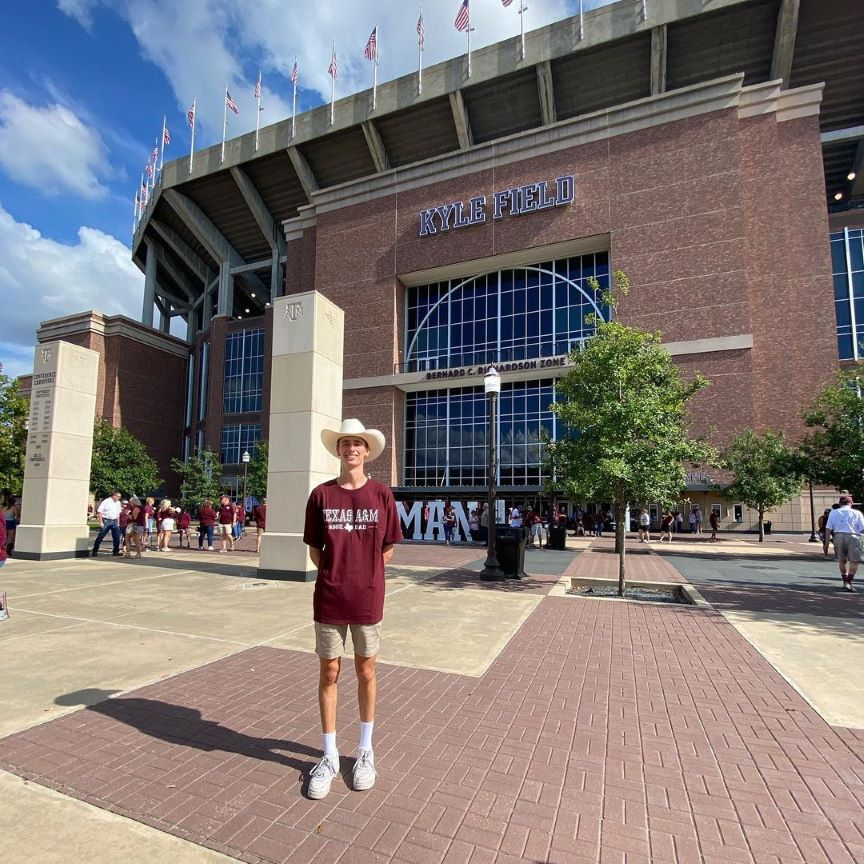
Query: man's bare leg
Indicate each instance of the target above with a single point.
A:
(367, 687)
(327, 692)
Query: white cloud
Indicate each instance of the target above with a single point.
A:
(202, 45)
(50, 149)
(80, 10)
(41, 278)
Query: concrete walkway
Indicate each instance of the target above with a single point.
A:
(515, 723)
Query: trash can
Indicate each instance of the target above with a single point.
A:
(767, 525)
(510, 550)
(557, 537)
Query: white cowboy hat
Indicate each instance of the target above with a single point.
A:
(353, 429)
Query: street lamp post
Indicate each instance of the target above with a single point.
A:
(812, 515)
(492, 387)
(245, 459)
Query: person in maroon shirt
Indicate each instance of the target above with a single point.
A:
(351, 527)
(226, 523)
(207, 517)
(259, 514)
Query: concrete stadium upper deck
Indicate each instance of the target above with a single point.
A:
(222, 225)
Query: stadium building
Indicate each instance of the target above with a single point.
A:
(711, 149)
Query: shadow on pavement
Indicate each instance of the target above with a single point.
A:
(178, 724)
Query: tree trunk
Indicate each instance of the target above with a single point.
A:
(761, 526)
(620, 535)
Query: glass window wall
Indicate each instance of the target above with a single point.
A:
(847, 265)
(244, 372)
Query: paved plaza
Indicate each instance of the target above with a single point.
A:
(166, 709)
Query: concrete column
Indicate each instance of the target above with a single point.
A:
(59, 450)
(166, 317)
(305, 397)
(149, 285)
(225, 305)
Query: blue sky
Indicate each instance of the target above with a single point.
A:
(84, 85)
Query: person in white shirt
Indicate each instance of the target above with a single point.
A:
(108, 514)
(515, 518)
(846, 526)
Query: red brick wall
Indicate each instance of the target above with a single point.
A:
(720, 224)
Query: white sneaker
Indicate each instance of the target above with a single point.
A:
(322, 776)
(364, 774)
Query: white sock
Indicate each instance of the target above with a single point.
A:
(366, 735)
(330, 744)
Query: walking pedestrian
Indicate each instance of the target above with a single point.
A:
(184, 520)
(226, 524)
(846, 526)
(484, 524)
(679, 522)
(666, 523)
(449, 524)
(108, 514)
(823, 531)
(138, 521)
(351, 527)
(474, 526)
(714, 520)
(260, 514)
(165, 524)
(10, 513)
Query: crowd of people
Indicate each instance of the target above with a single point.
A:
(137, 526)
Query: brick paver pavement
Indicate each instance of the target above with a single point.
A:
(608, 733)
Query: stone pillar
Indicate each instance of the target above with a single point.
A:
(305, 397)
(59, 449)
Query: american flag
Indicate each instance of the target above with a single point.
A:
(370, 52)
(506, 2)
(144, 193)
(421, 31)
(333, 68)
(155, 154)
(257, 93)
(149, 170)
(232, 105)
(190, 116)
(463, 17)
(166, 136)
(295, 73)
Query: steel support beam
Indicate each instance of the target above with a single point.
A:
(179, 277)
(149, 284)
(658, 60)
(546, 92)
(853, 133)
(225, 303)
(784, 41)
(376, 146)
(183, 251)
(209, 236)
(304, 172)
(461, 119)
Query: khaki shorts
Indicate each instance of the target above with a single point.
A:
(223, 530)
(330, 639)
(847, 546)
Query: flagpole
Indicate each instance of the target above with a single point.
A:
(470, 28)
(522, 8)
(135, 217)
(375, 72)
(162, 149)
(153, 175)
(421, 25)
(224, 123)
(294, 102)
(332, 85)
(192, 145)
(258, 113)
(581, 22)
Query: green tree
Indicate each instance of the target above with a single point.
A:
(200, 478)
(766, 471)
(256, 483)
(120, 461)
(835, 447)
(14, 409)
(626, 404)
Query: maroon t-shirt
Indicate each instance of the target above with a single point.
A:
(260, 515)
(207, 516)
(144, 513)
(350, 527)
(226, 514)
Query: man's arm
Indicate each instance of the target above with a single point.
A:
(387, 553)
(315, 555)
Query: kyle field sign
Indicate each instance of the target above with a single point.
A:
(516, 201)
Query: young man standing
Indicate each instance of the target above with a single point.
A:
(351, 527)
(226, 523)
